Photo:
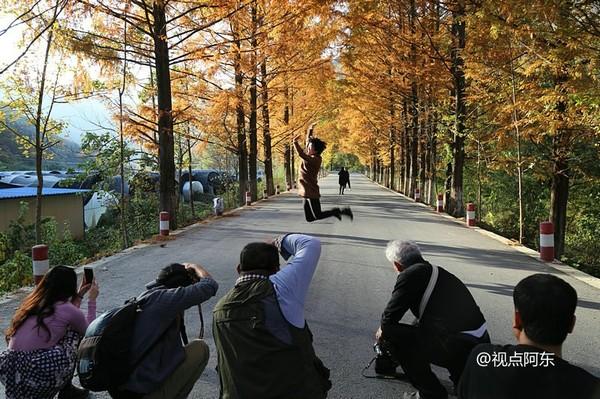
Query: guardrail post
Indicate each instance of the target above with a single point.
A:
(547, 241)
(41, 264)
(164, 223)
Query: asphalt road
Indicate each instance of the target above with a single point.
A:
(353, 281)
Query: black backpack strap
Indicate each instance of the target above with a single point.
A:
(182, 330)
(201, 336)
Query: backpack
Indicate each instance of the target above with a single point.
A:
(104, 354)
(103, 357)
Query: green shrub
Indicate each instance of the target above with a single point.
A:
(16, 272)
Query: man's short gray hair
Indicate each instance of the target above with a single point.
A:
(403, 252)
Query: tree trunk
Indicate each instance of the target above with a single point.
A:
(392, 145)
(414, 143)
(401, 162)
(433, 160)
(414, 107)
(270, 185)
(515, 117)
(559, 194)
(39, 139)
(190, 178)
(253, 153)
(448, 188)
(124, 236)
(242, 148)
(293, 165)
(287, 155)
(479, 182)
(422, 159)
(373, 166)
(458, 35)
(427, 161)
(405, 148)
(180, 153)
(166, 145)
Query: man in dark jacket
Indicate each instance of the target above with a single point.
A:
(534, 368)
(449, 324)
(264, 346)
(343, 180)
(308, 185)
(167, 366)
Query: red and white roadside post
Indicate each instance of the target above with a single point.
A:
(41, 264)
(277, 192)
(417, 195)
(440, 203)
(248, 198)
(471, 215)
(547, 241)
(164, 223)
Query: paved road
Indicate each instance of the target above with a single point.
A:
(354, 280)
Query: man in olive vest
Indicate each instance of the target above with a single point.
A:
(264, 346)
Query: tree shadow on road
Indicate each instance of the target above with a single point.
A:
(507, 290)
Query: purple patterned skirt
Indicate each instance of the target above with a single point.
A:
(41, 373)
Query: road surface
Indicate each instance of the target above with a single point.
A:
(353, 281)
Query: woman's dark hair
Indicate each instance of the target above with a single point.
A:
(318, 145)
(546, 304)
(59, 284)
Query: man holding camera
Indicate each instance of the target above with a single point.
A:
(449, 322)
(167, 366)
(264, 345)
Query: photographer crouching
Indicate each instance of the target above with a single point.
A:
(449, 323)
(166, 365)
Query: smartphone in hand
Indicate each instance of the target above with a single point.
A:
(88, 275)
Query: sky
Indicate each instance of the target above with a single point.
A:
(80, 116)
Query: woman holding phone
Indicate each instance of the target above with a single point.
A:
(44, 335)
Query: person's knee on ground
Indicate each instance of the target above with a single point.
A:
(180, 383)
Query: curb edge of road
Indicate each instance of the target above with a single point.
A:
(9, 296)
(556, 264)
(174, 233)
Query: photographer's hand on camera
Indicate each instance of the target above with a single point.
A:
(200, 271)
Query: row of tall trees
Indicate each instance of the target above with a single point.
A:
(242, 76)
(480, 101)
(446, 96)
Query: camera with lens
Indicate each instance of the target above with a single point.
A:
(384, 360)
(382, 348)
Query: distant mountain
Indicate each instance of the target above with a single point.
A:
(66, 154)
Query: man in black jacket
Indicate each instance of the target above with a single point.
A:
(544, 316)
(449, 323)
